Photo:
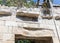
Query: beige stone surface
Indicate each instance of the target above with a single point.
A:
(3, 29)
(55, 40)
(47, 22)
(1, 41)
(8, 37)
(1, 36)
(6, 29)
(2, 22)
(8, 41)
(47, 27)
(37, 33)
(9, 28)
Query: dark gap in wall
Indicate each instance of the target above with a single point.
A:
(24, 18)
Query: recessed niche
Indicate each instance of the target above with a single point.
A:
(26, 39)
(24, 18)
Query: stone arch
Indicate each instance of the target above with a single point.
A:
(34, 39)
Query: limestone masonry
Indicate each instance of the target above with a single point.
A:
(29, 23)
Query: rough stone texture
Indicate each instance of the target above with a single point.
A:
(37, 33)
(11, 26)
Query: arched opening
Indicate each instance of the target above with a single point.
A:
(24, 39)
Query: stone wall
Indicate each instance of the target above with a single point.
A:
(9, 27)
